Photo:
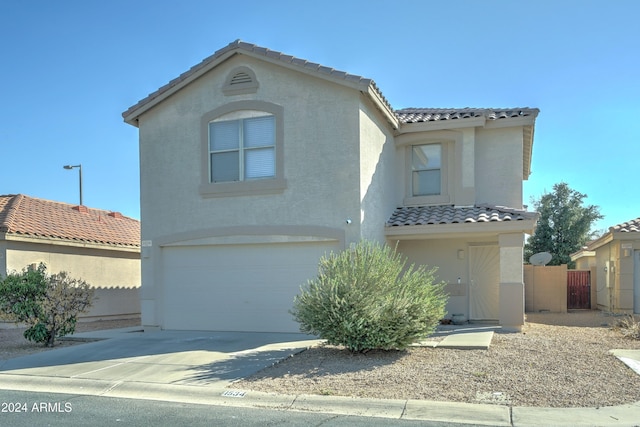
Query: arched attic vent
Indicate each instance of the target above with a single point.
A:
(240, 80)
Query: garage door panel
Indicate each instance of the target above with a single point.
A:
(237, 287)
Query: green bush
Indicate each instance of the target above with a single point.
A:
(48, 304)
(366, 298)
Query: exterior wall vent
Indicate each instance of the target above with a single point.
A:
(239, 81)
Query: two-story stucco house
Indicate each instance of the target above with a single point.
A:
(255, 163)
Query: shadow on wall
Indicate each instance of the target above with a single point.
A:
(114, 303)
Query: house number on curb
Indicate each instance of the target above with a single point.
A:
(231, 393)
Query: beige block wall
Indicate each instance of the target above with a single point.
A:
(115, 276)
(545, 288)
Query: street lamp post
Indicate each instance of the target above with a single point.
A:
(79, 175)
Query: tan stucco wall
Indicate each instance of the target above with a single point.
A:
(585, 263)
(114, 274)
(484, 166)
(377, 173)
(320, 140)
(444, 254)
(498, 172)
(615, 274)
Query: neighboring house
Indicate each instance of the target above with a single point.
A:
(255, 163)
(616, 257)
(100, 247)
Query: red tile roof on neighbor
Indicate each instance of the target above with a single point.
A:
(24, 215)
(447, 214)
(632, 226)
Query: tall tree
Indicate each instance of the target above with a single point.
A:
(564, 225)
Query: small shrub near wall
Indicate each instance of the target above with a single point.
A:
(48, 304)
(629, 327)
(367, 298)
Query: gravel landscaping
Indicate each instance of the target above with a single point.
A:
(559, 360)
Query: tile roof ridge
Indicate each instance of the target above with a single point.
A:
(10, 211)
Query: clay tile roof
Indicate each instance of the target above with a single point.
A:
(24, 215)
(447, 214)
(418, 115)
(632, 226)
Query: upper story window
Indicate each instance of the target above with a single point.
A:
(243, 148)
(426, 170)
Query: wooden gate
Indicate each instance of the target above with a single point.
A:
(578, 289)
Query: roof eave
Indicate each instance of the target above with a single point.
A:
(439, 231)
(442, 125)
(14, 237)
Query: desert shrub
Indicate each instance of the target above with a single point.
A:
(366, 298)
(21, 293)
(629, 327)
(47, 304)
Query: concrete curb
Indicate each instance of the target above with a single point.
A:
(418, 410)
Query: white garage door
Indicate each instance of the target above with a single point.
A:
(237, 287)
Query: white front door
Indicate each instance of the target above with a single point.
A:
(484, 286)
(636, 282)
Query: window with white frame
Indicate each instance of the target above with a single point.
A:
(426, 170)
(242, 147)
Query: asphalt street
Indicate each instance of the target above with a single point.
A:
(28, 409)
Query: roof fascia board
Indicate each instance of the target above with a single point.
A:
(10, 237)
(510, 122)
(582, 254)
(626, 235)
(374, 95)
(456, 230)
(176, 85)
(607, 238)
(442, 125)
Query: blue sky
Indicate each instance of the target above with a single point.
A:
(70, 68)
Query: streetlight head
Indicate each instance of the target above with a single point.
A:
(68, 167)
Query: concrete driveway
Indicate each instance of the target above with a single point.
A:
(172, 358)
